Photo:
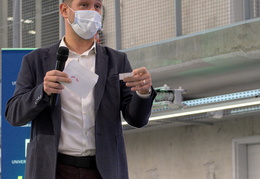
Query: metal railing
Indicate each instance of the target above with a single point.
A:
(126, 24)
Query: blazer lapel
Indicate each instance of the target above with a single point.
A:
(50, 59)
(101, 71)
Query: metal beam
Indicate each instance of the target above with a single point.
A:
(178, 18)
(17, 30)
(118, 25)
(38, 23)
(62, 24)
(247, 9)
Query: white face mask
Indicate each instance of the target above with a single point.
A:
(86, 23)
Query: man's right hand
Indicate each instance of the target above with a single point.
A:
(51, 79)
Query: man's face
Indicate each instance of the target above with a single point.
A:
(95, 5)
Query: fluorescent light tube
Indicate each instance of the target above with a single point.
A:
(203, 109)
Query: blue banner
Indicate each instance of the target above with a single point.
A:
(14, 139)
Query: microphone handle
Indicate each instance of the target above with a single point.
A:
(55, 97)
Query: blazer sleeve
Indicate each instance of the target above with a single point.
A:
(135, 109)
(29, 98)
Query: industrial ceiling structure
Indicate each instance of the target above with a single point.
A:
(229, 82)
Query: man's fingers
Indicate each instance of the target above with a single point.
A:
(52, 79)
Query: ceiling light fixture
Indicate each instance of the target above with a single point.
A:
(32, 32)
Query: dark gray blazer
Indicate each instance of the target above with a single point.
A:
(30, 104)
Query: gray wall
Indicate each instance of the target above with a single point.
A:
(186, 152)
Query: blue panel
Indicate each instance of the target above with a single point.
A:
(13, 138)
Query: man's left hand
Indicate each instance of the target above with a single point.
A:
(141, 81)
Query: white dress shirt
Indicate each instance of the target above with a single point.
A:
(77, 114)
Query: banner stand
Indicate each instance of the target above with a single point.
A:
(14, 139)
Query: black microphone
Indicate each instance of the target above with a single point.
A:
(62, 56)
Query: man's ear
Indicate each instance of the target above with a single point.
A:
(64, 10)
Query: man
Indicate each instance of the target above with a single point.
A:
(80, 137)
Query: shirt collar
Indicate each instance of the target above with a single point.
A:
(93, 48)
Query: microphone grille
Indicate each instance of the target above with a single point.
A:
(62, 53)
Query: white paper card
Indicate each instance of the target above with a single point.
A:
(82, 79)
(124, 75)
